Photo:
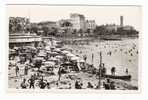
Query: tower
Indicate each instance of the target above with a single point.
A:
(121, 21)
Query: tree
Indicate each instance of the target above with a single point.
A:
(66, 24)
(34, 29)
(100, 30)
(45, 30)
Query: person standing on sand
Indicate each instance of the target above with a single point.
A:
(26, 70)
(31, 81)
(112, 86)
(16, 70)
(103, 71)
(89, 85)
(24, 85)
(113, 70)
(59, 73)
(126, 71)
(42, 84)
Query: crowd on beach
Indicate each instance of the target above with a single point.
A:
(44, 67)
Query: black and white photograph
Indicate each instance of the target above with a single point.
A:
(74, 47)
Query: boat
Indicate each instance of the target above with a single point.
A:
(124, 77)
(113, 38)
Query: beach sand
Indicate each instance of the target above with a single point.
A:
(124, 54)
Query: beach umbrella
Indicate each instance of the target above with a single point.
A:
(75, 58)
(47, 48)
(48, 51)
(57, 49)
(70, 55)
(58, 56)
(53, 58)
(42, 54)
(16, 48)
(49, 63)
(80, 60)
(12, 51)
(65, 52)
(30, 47)
(39, 58)
(66, 63)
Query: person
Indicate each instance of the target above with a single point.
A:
(89, 85)
(59, 73)
(112, 86)
(110, 53)
(26, 70)
(31, 81)
(98, 85)
(78, 85)
(107, 84)
(85, 58)
(113, 70)
(42, 84)
(69, 86)
(103, 70)
(126, 71)
(24, 84)
(16, 70)
(48, 85)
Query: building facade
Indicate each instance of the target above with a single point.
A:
(78, 21)
(18, 24)
(127, 27)
(23, 39)
(90, 24)
(111, 27)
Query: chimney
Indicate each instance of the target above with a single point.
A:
(121, 21)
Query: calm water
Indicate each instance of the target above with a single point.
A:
(124, 54)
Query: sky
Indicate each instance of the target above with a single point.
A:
(101, 14)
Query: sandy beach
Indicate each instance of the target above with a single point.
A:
(124, 54)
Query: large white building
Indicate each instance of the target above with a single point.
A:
(78, 21)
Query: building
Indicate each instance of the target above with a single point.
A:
(78, 21)
(121, 21)
(64, 23)
(111, 27)
(127, 27)
(90, 24)
(23, 39)
(18, 24)
(48, 24)
(65, 26)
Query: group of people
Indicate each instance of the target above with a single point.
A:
(107, 85)
(35, 81)
(21, 66)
